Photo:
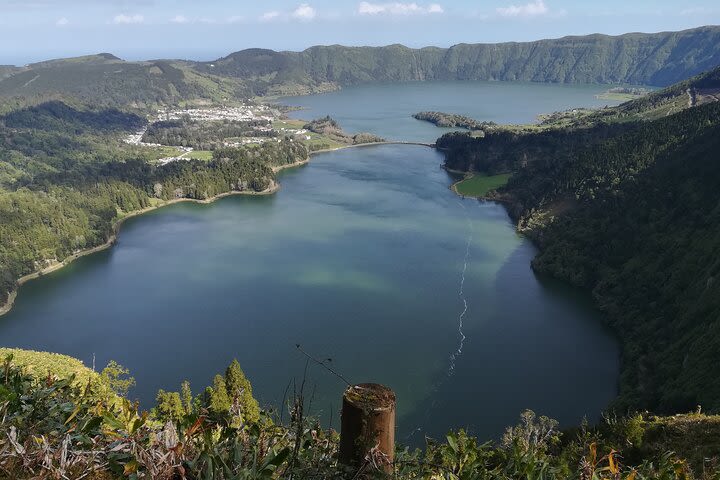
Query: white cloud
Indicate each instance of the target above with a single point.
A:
(268, 16)
(698, 11)
(304, 12)
(62, 22)
(532, 9)
(397, 8)
(179, 19)
(123, 19)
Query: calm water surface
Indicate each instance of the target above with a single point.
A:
(387, 109)
(364, 256)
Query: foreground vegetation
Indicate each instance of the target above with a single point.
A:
(624, 202)
(52, 426)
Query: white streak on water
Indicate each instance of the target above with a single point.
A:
(461, 324)
(461, 294)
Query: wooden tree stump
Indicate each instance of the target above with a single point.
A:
(368, 425)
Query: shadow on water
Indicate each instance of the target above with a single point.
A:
(500, 375)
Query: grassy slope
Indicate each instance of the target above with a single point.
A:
(480, 185)
(204, 155)
(695, 437)
(42, 364)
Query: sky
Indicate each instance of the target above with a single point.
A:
(34, 30)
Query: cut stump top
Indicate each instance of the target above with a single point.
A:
(370, 397)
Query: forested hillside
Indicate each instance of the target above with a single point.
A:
(66, 177)
(628, 208)
(646, 243)
(651, 59)
(658, 59)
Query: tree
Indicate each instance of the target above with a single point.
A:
(187, 398)
(219, 401)
(169, 406)
(240, 392)
(117, 378)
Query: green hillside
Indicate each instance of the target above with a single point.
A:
(652, 59)
(7, 70)
(625, 204)
(105, 80)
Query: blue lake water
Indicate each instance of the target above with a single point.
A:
(364, 256)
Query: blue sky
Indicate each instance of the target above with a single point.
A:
(32, 30)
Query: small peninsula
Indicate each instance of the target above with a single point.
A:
(451, 120)
(330, 129)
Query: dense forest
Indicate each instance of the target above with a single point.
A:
(63, 420)
(628, 208)
(66, 178)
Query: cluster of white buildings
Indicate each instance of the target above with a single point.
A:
(293, 132)
(244, 113)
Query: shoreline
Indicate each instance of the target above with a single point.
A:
(12, 296)
(453, 188)
(484, 198)
(285, 167)
(487, 198)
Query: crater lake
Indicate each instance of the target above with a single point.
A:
(364, 256)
